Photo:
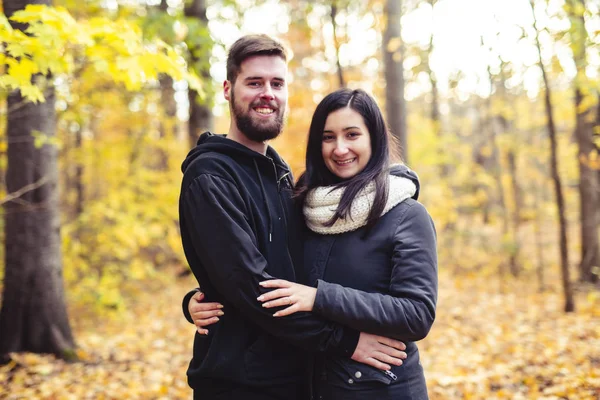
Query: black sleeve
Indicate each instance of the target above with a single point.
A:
(225, 243)
(408, 311)
(184, 305)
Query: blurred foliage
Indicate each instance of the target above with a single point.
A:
(483, 167)
(130, 229)
(55, 43)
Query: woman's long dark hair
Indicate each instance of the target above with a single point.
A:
(376, 170)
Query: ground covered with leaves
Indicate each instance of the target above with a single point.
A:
(488, 342)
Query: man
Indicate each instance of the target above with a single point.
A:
(238, 228)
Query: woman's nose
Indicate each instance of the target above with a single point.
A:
(340, 148)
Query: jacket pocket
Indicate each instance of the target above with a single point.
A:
(352, 373)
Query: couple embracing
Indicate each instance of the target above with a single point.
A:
(315, 289)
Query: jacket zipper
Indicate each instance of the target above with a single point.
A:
(391, 375)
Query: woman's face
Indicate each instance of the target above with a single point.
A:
(346, 146)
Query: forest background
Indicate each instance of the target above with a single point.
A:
(496, 106)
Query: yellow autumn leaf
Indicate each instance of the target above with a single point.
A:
(31, 13)
(32, 93)
(168, 65)
(4, 24)
(22, 70)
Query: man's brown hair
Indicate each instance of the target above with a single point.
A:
(248, 46)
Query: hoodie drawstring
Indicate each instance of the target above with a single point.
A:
(264, 194)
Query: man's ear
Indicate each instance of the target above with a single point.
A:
(227, 90)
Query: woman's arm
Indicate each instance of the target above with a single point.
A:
(406, 313)
(200, 313)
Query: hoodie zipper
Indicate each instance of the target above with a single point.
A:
(280, 178)
(285, 222)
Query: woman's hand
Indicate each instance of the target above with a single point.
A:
(298, 297)
(204, 314)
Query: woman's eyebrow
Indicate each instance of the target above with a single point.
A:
(344, 129)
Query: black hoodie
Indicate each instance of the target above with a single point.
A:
(238, 228)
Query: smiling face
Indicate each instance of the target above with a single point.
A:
(258, 97)
(346, 147)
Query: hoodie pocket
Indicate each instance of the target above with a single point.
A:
(268, 358)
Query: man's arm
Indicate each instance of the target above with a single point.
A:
(223, 240)
(376, 351)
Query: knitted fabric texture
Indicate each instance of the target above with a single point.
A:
(321, 203)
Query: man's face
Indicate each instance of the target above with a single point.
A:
(258, 98)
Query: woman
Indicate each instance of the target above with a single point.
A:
(369, 249)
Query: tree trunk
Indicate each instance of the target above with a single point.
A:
(484, 160)
(168, 117)
(597, 147)
(539, 245)
(340, 71)
(584, 134)
(79, 170)
(516, 213)
(511, 156)
(540, 194)
(168, 124)
(496, 169)
(201, 118)
(588, 195)
(435, 113)
(564, 252)
(393, 56)
(33, 316)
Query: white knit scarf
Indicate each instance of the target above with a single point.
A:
(322, 202)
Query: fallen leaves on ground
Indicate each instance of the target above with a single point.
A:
(484, 345)
(513, 345)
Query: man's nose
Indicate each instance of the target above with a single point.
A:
(267, 93)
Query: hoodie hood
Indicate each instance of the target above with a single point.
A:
(210, 142)
(403, 171)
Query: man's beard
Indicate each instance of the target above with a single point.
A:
(255, 130)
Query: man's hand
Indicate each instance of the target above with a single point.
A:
(378, 351)
(204, 314)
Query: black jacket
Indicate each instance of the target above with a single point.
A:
(238, 228)
(383, 283)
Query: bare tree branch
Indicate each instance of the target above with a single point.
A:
(23, 190)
